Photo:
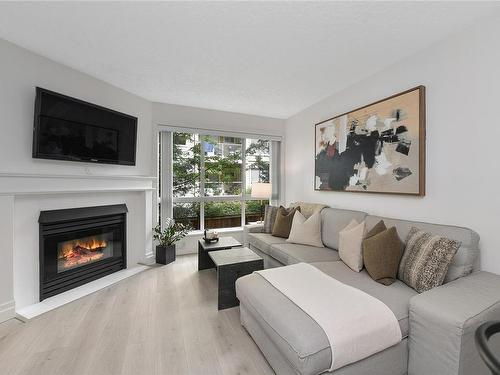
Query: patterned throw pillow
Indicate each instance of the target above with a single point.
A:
(426, 259)
(269, 218)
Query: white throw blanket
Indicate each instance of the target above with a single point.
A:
(357, 325)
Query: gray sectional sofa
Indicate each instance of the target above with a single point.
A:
(437, 326)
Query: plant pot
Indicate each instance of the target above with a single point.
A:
(165, 254)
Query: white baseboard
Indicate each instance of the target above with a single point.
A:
(59, 300)
(7, 310)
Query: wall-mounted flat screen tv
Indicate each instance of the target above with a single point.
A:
(70, 129)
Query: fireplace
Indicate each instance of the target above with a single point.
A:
(80, 245)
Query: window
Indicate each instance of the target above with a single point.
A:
(206, 180)
(222, 158)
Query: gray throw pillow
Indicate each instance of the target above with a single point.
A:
(426, 259)
(269, 218)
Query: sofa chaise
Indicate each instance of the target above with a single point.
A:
(437, 326)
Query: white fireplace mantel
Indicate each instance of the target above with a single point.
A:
(16, 187)
(39, 184)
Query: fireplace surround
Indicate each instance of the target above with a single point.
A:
(80, 245)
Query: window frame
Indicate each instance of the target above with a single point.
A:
(166, 198)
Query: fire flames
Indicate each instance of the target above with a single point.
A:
(81, 251)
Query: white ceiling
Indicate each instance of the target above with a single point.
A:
(265, 58)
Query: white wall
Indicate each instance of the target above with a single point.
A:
(7, 304)
(200, 118)
(462, 77)
(20, 72)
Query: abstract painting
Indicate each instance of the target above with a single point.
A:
(379, 148)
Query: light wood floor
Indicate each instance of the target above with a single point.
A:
(161, 321)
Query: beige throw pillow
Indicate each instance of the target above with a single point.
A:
(350, 241)
(306, 231)
(307, 209)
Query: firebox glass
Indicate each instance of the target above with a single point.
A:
(85, 250)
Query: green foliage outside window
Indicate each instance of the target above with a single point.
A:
(186, 165)
(223, 168)
(222, 209)
(253, 207)
(257, 149)
(222, 174)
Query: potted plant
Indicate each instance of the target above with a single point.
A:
(167, 237)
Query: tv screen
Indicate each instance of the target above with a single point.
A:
(70, 129)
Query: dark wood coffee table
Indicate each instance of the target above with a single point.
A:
(224, 243)
(231, 265)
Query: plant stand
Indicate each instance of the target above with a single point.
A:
(165, 254)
